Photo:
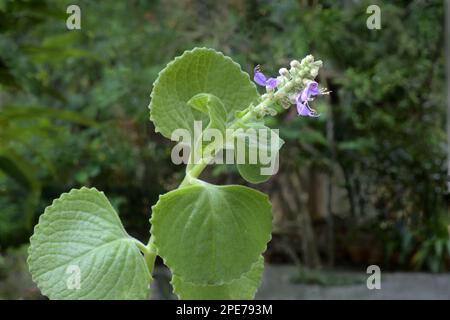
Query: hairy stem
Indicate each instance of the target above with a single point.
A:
(149, 253)
(198, 168)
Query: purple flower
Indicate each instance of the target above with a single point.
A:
(303, 98)
(311, 90)
(304, 109)
(261, 79)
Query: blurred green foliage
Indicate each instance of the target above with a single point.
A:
(73, 106)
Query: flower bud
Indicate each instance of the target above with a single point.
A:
(292, 98)
(307, 60)
(286, 102)
(284, 72)
(295, 64)
(314, 72)
(281, 80)
(318, 63)
(272, 112)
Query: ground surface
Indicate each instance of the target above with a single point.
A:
(277, 284)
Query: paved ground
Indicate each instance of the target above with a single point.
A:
(277, 284)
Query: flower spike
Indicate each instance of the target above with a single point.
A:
(294, 86)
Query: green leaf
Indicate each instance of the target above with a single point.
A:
(263, 145)
(81, 231)
(212, 106)
(211, 235)
(200, 70)
(243, 288)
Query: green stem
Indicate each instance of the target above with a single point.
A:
(149, 253)
(149, 250)
(198, 168)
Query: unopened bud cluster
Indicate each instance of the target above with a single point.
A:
(291, 82)
(299, 74)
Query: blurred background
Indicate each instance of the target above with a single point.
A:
(363, 184)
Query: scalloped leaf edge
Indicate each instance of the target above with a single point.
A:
(186, 189)
(186, 52)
